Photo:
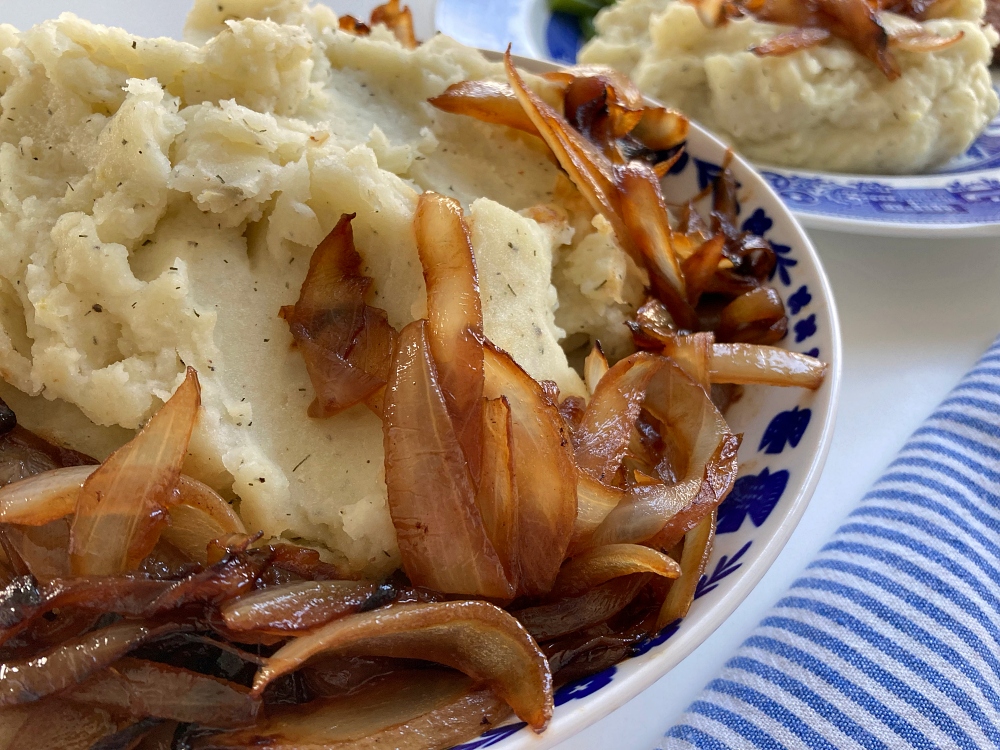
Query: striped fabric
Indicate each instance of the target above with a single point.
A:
(891, 638)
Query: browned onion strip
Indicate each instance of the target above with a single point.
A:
(645, 215)
(54, 723)
(701, 265)
(296, 606)
(431, 497)
(72, 662)
(408, 710)
(352, 25)
(497, 495)
(571, 614)
(693, 354)
(474, 637)
(918, 40)
(694, 559)
(121, 509)
(454, 316)
(765, 365)
(661, 129)
(399, 20)
(328, 324)
(603, 564)
(750, 312)
(595, 367)
(703, 458)
(43, 550)
(587, 167)
(858, 23)
(199, 516)
(603, 436)
(235, 574)
(791, 41)
(544, 471)
(594, 502)
(139, 688)
(42, 498)
(487, 101)
(23, 602)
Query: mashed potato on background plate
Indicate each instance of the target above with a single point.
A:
(825, 108)
(160, 203)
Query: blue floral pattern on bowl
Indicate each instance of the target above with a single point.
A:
(961, 197)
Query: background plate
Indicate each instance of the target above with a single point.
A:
(961, 198)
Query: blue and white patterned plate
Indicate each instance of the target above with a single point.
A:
(961, 198)
(786, 436)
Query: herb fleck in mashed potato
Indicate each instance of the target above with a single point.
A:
(160, 203)
(824, 108)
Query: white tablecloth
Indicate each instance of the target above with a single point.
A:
(915, 314)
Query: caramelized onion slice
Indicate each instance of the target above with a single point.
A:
(746, 314)
(121, 509)
(296, 606)
(661, 129)
(497, 494)
(645, 215)
(72, 662)
(587, 167)
(487, 101)
(474, 637)
(694, 560)
(791, 41)
(329, 322)
(603, 564)
(702, 456)
(140, 689)
(54, 723)
(571, 614)
(765, 365)
(595, 367)
(918, 40)
(544, 471)
(44, 497)
(454, 316)
(407, 710)
(399, 20)
(693, 354)
(701, 265)
(431, 497)
(24, 601)
(43, 550)
(233, 575)
(603, 436)
(594, 502)
(199, 516)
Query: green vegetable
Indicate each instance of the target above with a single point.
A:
(582, 8)
(585, 10)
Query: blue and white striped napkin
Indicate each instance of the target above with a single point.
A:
(891, 638)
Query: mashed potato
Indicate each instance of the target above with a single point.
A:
(160, 203)
(823, 108)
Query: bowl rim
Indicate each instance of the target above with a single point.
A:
(567, 723)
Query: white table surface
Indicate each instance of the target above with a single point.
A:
(916, 314)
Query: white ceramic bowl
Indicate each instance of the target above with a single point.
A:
(786, 437)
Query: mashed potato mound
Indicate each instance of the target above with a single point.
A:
(160, 201)
(823, 108)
